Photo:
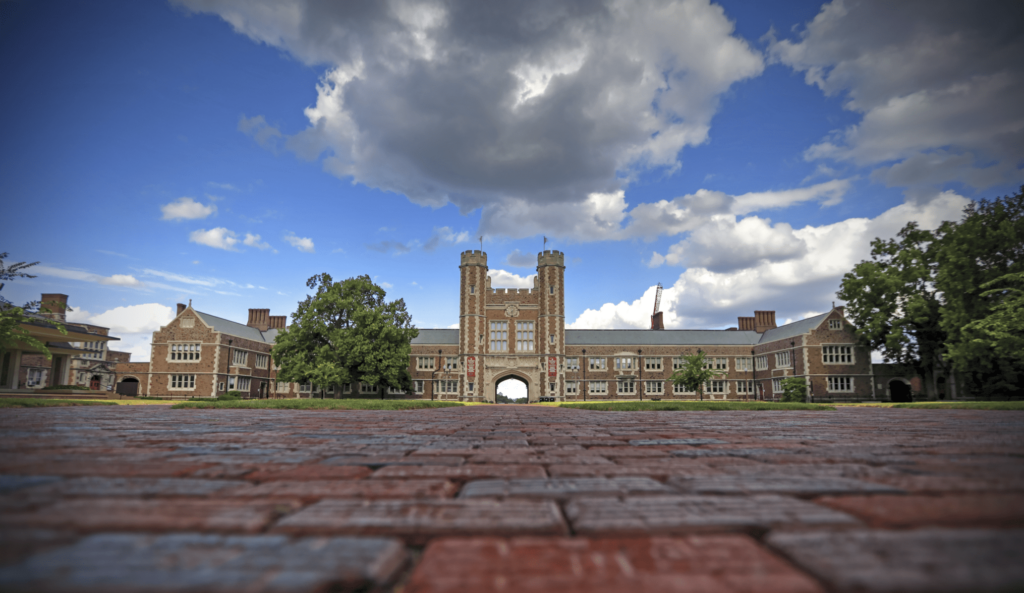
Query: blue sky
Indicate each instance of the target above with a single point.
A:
(743, 154)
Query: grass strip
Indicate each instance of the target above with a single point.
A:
(692, 406)
(318, 404)
(31, 402)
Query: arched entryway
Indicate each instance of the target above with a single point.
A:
(128, 386)
(513, 387)
(899, 391)
(95, 383)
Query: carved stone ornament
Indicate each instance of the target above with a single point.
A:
(511, 310)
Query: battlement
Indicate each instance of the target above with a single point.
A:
(474, 257)
(551, 258)
(509, 290)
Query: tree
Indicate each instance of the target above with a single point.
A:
(346, 332)
(794, 389)
(996, 342)
(694, 373)
(12, 317)
(894, 304)
(979, 259)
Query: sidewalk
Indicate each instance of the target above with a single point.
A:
(510, 498)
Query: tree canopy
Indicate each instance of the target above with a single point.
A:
(695, 373)
(11, 316)
(346, 332)
(947, 299)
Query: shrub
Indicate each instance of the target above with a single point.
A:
(77, 387)
(794, 390)
(229, 396)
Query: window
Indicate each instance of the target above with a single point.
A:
(840, 384)
(395, 390)
(680, 389)
(185, 351)
(572, 364)
(524, 336)
(551, 387)
(599, 364)
(243, 383)
(677, 363)
(570, 387)
(551, 338)
(777, 385)
(551, 290)
(282, 387)
(261, 361)
(220, 386)
(716, 363)
(364, 388)
(714, 387)
(499, 336)
(239, 358)
(231, 383)
(304, 387)
(744, 364)
(627, 386)
(598, 387)
(782, 359)
(654, 387)
(624, 364)
(761, 363)
(187, 322)
(451, 363)
(447, 386)
(469, 387)
(472, 289)
(744, 387)
(346, 388)
(418, 386)
(424, 363)
(837, 354)
(183, 381)
(835, 324)
(652, 364)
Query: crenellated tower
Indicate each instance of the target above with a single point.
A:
(472, 316)
(550, 286)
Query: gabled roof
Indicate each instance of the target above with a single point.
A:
(441, 337)
(792, 330)
(226, 326)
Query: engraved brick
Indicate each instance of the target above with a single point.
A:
(679, 514)
(204, 562)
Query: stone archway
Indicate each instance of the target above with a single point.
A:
(514, 377)
(899, 391)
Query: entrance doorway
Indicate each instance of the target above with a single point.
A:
(94, 383)
(511, 390)
(899, 391)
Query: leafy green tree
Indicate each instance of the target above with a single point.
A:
(12, 317)
(978, 260)
(894, 304)
(996, 342)
(346, 332)
(794, 389)
(695, 373)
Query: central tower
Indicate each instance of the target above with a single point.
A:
(510, 332)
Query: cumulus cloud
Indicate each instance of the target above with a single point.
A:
(134, 324)
(795, 288)
(938, 84)
(254, 241)
(186, 209)
(219, 238)
(504, 279)
(304, 244)
(521, 260)
(445, 236)
(126, 280)
(480, 104)
(723, 244)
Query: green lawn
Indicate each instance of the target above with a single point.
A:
(29, 402)
(319, 404)
(692, 406)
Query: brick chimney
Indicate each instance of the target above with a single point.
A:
(260, 319)
(278, 321)
(658, 321)
(842, 310)
(181, 308)
(746, 324)
(54, 306)
(764, 321)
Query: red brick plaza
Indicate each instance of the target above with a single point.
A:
(510, 498)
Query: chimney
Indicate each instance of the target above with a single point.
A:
(278, 321)
(260, 319)
(746, 324)
(842, 310)
(657, 321)
(181, 309)
(764, 321)
(54, 306)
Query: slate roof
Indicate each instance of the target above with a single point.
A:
(791, 330)
(664, 337)
(238, 330)
(441, 337)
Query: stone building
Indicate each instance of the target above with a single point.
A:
(520, 334)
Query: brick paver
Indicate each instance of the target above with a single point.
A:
(510, 498)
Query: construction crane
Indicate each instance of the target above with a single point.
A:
(656, 319)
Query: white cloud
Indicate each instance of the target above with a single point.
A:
(186, 209)
(445, 236)
(219, 238)
(490, 104)
(254, 241)
(938, 89)
(171, 276)
(723, 243)
(503, 279)
(133, 324)
(126, 280)
(301, 243)
(521, 260)
(794, 287)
